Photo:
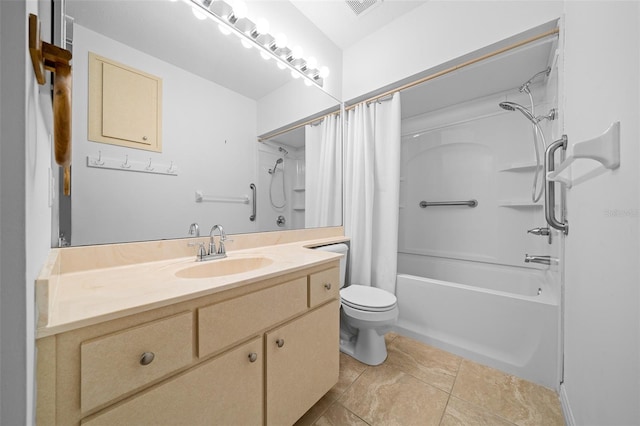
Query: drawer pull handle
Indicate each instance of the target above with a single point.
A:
(327, 286)
(147, 358)
(253, 357)
(280, 343)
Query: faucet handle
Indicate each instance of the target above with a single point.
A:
(202, 252)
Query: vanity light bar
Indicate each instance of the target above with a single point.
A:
(222, 13)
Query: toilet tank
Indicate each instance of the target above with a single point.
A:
(342, 249)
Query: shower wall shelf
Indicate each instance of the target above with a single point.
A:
(127, 165)
(604, 150)
(201, 198)
(528, 166)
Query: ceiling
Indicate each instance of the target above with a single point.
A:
(337, 20)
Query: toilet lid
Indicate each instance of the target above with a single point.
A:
(367, 298)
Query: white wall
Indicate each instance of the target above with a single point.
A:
(435, 33)
(207, 131)
(25, 219)
(602, 357)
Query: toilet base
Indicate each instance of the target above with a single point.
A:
(367, 346)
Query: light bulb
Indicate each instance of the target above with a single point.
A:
(294, 74)
(296, 52)
(224, 29)
(262, 26)
(245, 43)
(312, 62)
(198, 14)
(265, 55)
(281, 65)
(239, 9)
(307, 82)
(324, 72)
(281, 40)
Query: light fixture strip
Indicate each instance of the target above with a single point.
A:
(313, 76)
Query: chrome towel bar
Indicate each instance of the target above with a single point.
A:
(470, 203)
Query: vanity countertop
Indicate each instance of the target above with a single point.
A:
(70, 299)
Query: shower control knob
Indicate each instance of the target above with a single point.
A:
(327, 286)
(253, 357)
(147, 358)
(280, 343)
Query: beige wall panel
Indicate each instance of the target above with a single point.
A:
(323, 286)
(111, 365)
(125, 105)
(231, 321)
(305, 367)
(129, 105)
(226, 390)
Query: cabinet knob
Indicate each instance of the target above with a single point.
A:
(144, 138)
(147, 358)
(280, 343)
(253, 357)
(327, 286)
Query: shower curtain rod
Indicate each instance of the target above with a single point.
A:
(297, 126)
(457, 67)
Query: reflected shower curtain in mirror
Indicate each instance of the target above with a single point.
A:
(372, 192)
(323, 173)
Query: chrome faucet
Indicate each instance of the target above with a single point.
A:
(543, 260)
(194, 230)
(213, 253)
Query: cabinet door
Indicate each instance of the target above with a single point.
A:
(226, 390)
(302, 363)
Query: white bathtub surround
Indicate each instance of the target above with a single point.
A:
(372, 176)
(323, 166)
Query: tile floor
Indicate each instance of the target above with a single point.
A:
(422, 385)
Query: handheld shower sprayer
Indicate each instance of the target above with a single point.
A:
(512, 106)
(275, 166)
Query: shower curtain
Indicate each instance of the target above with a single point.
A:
(323, 173)
(372, 191)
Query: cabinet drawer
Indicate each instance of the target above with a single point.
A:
(112, 365)
(226, 390)
(323, 286)
(231, 321)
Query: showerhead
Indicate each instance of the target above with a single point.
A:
(278, 161)
(281, 149)
(512, 106)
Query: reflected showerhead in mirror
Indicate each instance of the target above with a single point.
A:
(512, 106)
(275, 166)
(284, 151)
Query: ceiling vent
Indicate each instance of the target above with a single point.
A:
(359, 7)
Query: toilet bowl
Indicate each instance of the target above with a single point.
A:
(366, 314)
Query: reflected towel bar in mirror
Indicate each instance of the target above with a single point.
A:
(470, 203)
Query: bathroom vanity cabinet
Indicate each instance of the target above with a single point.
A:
(261, 353)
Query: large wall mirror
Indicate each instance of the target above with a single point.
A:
(217, 98)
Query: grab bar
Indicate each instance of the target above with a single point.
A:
(550, 190)
(470, 203)
(252, 218)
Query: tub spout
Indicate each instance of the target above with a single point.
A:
(543, 260)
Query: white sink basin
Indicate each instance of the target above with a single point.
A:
(222, 267)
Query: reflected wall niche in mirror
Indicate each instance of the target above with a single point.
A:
(217, 98)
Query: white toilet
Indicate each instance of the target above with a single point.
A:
(366, 314)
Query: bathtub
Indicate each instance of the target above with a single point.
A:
(500, 316)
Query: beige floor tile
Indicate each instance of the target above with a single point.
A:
(337, 415)
(386, 396)
(350, 370)
(389, 337)
(315, 412)
(429, 364)
(462, 413)
(517, 400)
